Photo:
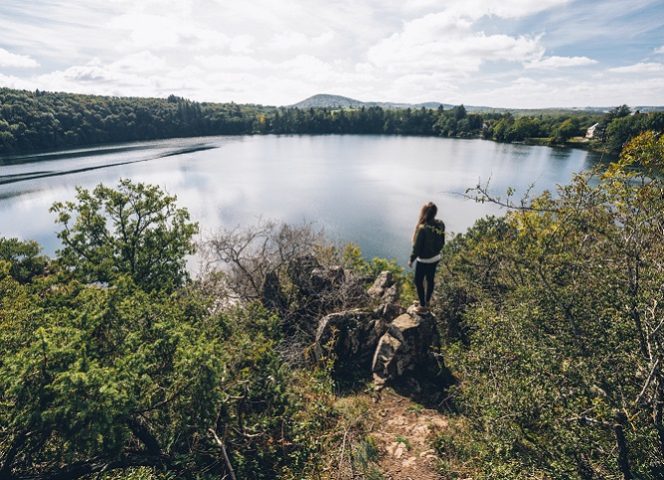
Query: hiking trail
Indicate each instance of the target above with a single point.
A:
(404, 433)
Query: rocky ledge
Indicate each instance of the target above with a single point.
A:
(393, 344)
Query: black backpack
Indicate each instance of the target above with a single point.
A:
(439, 238)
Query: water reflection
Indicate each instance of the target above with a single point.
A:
(365, 189)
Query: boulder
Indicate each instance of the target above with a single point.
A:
(319, 286)
(323, 280)
(351, 337)
(406, 346)
(384, 289)
(353, 291)
(391, 294)
(389, 311)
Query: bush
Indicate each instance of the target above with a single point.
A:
(557, 306)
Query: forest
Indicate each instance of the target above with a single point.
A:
(36, 121)
(117, 364)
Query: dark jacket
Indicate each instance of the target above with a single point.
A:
(425, 241)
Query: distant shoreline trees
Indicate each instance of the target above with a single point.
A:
(38, 121)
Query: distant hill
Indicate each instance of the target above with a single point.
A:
(324, 100)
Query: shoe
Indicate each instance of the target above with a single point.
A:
(421, 309)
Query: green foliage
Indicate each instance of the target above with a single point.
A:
(365, 457)
(101, 376)
(134, 230)
(352, 258)
(24, 257)
(553, 313)
(133, 373)
(41, 120)
(644, 154)
(558, 128)
(366, 452)
(566, 130)
(621, 129)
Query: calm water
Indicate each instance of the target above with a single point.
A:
(364, 189)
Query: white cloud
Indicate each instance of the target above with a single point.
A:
(234, 63)
(144, 62)
(509, 8)
(95, 78)
(297, 40)
(152, 31)
(641, 67)
(470, 51)
(12, 81)
(528, 92)
(12, 60)
(445, 42)
(479, 8)
(555, 62)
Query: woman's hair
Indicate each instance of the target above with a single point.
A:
(427, 215)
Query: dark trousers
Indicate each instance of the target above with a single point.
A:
(424, 271)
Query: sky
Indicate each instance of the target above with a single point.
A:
(501, 53)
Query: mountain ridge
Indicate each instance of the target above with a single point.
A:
(327, 100)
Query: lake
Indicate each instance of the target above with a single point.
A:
(366, 189)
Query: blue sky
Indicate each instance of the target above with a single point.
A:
(508, 53)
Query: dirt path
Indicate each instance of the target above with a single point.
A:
(404, 435)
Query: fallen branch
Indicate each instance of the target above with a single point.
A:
(221, 445)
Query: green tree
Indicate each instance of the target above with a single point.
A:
(135, 230)
(459, 112)
(524, 127)
(93, 380)
(98, 380)
(25, 258)
(566, 130)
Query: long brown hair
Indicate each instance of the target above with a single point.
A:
(427, 215)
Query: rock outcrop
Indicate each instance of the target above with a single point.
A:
(384, 289)
(389, 311)
(367, 334)
(407, 346)
(300, 271)
(387, 342)
(351, 336)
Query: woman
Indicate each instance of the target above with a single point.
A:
(428, 241)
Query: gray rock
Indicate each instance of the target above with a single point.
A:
(351, 337)
(300, 271)
(383, 282)
(322, 280)
(407, 346)
(391, 294)
(389, 311)
(353, 292)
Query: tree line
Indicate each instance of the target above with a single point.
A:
(32, 121)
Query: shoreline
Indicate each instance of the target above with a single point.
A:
(18, 156)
